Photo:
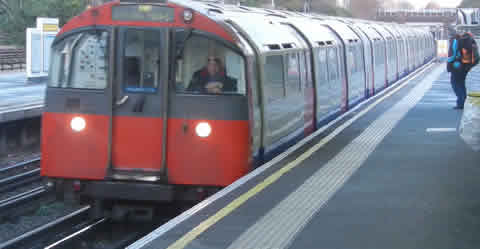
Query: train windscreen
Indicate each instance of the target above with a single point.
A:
(80, 61)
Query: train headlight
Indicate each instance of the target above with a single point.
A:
(78, 124)
(187, 16)
(203, 129)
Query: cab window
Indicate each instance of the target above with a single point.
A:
(80, 61)
(206, 66)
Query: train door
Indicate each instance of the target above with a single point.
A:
(139, 93)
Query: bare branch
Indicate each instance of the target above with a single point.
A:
(5, 7)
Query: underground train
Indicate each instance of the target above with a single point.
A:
(158, 101)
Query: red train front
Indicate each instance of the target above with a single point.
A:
(123, 119)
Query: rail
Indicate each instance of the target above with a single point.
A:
(20, 174)
(43, 236)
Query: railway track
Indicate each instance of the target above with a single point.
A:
(13, 203)
(77, 230)
(19, 174)
(45, 235)
(20, 184)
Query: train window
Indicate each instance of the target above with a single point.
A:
(308, 68)
(274, 81)
(321, 71)
(332, 64)
(208, 67)
(141, 58)
(303, 70)
(293, 73)
(80, 61)
(360, 59)
(351, 59)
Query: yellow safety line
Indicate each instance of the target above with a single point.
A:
(210, 221)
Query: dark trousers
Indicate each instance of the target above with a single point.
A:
(457, 79)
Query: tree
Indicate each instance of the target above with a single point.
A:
(22, 14)
(405, 5)
(5, 8)
(470, 4)
(365, 9)
(432, 5)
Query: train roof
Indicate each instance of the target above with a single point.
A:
(268, 29)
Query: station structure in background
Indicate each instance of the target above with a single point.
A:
(39, 42)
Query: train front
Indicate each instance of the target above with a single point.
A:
(145, 102)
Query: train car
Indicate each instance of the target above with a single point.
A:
(378, 57)
(391, 52)
(402, 50)
(397, 40)
(158, 101)
(354, 64)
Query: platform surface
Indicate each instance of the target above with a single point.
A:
(391, 175)
(19, 99)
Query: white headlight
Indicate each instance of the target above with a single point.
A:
(78, 124)
(203, 129)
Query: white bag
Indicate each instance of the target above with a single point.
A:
(470, 124)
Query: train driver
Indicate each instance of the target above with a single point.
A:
(212, 79)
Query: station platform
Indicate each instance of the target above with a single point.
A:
(20, 99)
(392, 173)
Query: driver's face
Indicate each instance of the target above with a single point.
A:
(212, 66)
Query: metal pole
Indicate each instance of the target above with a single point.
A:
(273, 4)
(307, 6)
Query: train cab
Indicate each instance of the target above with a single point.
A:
(134, 88)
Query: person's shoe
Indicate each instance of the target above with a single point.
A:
(458, 107)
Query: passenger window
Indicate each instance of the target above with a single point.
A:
(208, 67)
(309, 71)
(303, 69)
(349, 58)
(359, 59)
(322, 66)
(293, 73)
(332, 64)
(141, 59)
(274, 81)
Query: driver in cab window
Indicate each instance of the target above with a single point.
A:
(212, 79)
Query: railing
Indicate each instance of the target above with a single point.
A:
(416, 12)
(12, 59)
(474, 29)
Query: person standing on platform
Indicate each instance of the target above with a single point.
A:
(462, 55)
(454, 66)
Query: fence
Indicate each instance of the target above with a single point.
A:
(11, 59)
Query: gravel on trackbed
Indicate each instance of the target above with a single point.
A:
(11, 159)
(11, 227)
(20, 190)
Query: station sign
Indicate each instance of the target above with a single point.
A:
(39, 42)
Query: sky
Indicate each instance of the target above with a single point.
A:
(443, 3)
